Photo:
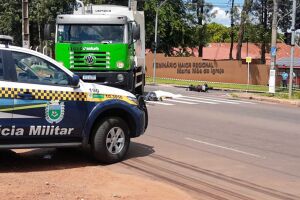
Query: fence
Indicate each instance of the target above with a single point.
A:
(193, 68)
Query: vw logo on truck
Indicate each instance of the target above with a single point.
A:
(90, 59)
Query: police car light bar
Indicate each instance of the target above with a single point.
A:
(5, 39)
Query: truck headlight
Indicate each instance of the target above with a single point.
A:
(120, 64)
(120, 77)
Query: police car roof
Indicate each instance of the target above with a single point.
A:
(35, 53)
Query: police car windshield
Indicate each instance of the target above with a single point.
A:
(90, 33)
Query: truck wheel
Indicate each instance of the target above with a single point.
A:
(111, 140)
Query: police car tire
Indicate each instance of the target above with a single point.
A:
(100, 151)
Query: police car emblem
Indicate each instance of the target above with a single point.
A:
(90, 59)
(55, 112)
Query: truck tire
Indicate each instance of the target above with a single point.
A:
(111, 140)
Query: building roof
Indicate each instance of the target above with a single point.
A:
(286, 62)
(220, 51)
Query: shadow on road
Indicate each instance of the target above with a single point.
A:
(57, 159)
(139, 150)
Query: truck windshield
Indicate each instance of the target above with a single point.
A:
(91, 33)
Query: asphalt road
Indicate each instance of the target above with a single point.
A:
(206, 144)
(217, 148)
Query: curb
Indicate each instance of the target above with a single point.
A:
(266, 99)
(217, 89)
(242, 95)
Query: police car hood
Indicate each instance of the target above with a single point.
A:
(95, 88)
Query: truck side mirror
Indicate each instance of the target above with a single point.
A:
(136, 31)
(48, 29)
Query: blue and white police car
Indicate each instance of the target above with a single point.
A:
(42, 104)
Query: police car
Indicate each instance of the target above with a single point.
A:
(42, 104)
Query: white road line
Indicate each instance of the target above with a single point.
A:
(227, 148)
(214, 100)
(247, 102)
(177, 101)
(160, 103)
(220, 100)
(199, 101)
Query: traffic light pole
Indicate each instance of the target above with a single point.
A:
(292, 50)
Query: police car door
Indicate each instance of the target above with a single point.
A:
(46, 106)
(6, 100)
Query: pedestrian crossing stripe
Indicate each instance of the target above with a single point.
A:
(178, 101)
(198, 101)
(209, 99)
(193, 100)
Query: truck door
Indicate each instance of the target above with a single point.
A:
(46, 107)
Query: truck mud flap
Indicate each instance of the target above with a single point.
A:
(139, 77)
(142, 105)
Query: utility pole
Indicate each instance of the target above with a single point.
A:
(231, 31)
(132, 5)
(155, 40)
(272, 77)
(25, 24)
(292, 49)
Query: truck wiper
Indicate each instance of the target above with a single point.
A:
(106, 42)
(73, 42)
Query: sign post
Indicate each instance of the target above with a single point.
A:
(248, 60)
(272, 77)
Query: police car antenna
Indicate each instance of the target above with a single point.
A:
(6, 40)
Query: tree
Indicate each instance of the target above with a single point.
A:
(40, 13)
(218, 33)
(11, 19)
(262, 14)
(244, 17)
(199, 14)
(261, 10)
(234, 15)
(172, 27)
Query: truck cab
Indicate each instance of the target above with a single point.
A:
(103, 44)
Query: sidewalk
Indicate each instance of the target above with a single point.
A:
(265, 98)
(239, 93)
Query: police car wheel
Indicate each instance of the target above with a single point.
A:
(111, 140)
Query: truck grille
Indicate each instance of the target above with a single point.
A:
(99, 59)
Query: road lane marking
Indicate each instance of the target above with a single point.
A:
(214, 100)
(218, 99)
(227, 148)
(177, 101)
(160, 103)
(194, 100)
(239, 101)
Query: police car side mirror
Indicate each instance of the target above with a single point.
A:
(75, 81)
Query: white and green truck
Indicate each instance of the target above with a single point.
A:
(103, 44)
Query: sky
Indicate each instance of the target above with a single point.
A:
(221, 6)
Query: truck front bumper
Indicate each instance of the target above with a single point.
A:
(110, 78)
